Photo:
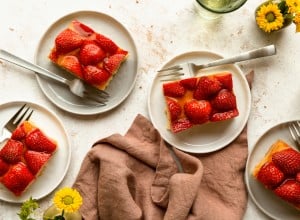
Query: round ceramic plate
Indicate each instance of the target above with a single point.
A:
(121, 85)
(207, 137)
(266, 200)
(57, 166)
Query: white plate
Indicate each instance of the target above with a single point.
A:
(119, 88)
(267, 201)
(57, 166)
(208, 137)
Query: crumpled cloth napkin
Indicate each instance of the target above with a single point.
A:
(135, 176)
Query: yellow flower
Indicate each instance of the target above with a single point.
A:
(293, 5)
(67, 199)
(297, 22)
(269, 17)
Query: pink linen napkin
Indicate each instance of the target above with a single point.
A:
(135, 176)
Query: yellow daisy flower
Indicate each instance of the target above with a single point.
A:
(293, 5)
(297, 22)
(67, 199)
(269, 17)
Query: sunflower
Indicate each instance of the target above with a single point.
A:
(297, 22)
(67, 199)
(269, 18)
(293, 5)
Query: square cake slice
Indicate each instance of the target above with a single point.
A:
(87, 54)
(24, 156)
(279, 171)
(198, 100)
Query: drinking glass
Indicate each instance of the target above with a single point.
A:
(214, 8)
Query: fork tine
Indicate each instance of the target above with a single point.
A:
(23, 117)
(176, 68)
(93, 97)
(294, 129)
(15, 116)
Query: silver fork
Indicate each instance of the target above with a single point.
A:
(294, 128)
(191, 69)
(76, 86)
(23, 114)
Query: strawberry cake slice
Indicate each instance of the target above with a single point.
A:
(87, 54)
(199, 100)
(24, 156)
(279, 171)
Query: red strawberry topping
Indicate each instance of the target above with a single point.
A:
(3, 167)
(17, 178)
(36, 160)
(198, 112)
(12, 151)
(106, 43)
(112, 63)
(95, 75)
(38, 141)
(68, 41)
(19, 133)
(189, 83)
(298, 177)
(221, 116)
(270, 175)
(289, 191)
(207, 87)
(181, 125)
(225, 80)
(91, 54)
(225, 100)
(288, 161)
(72, 64)
(82, 29)
(174, 108)
(173, 89)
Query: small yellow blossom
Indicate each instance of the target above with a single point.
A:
(293, 5)
(297, 22)
(67, 199)
(269, 17)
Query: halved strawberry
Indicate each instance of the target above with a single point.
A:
(91, 54)
(226, 80)
(189, 83)
(298, 177)
(207, 87)
(17, 178)
(270, 175)
(3, 167)
(19, 133)
(225, 100)
(67, 41)
(180, 125)
(174, 108)
(36, 160)
(288, 161)
(173, 89)
(81, 28)
(113, 63)
(221, 116)
(106, 43)
(38, 141)
(12, 151)
(289, 191)
(95, 75)
(72, 64)
(198, 112)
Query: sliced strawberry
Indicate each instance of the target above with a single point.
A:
(38, 141)
(288, 161)
(17, 178)
(226, 80)
(12, 151)
(3, 167)
(91, 54)
(289, 191)
(72, 64)
(180, 125)
(106, 43)
(95, 75)
(68, 41)
(270, 175)
(174, 108)
(36, 160)
(19, 133)
(81, 28)
(113, 63)
(221, 116)
(173, 89)
(207, 87)
(197, 112)
(189, 83)
(225, 100)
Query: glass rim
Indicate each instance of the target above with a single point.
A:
(222, 11)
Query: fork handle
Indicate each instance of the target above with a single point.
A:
(261, 52)
(4, 55)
